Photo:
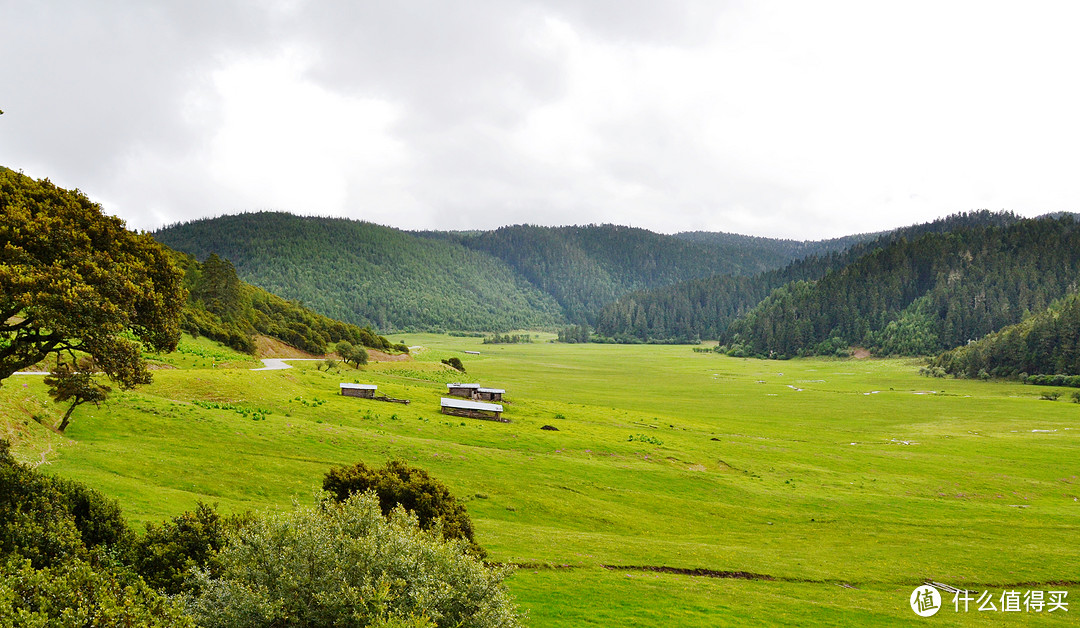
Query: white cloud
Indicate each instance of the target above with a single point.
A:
(777, 118)
(287, 143)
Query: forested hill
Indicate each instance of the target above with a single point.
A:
(704, 308)
(222, 307)
(1044, 343)
(513, 277)
(367, 274)
(920, 296)
(586, 267)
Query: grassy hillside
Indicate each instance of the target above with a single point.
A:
(833, 487)
(368, 274)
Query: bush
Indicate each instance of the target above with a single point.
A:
(1050, 395)
(50, 520)
(413, 489)
(345, 564)
(79, 594)
(454, 363)
(168, 553)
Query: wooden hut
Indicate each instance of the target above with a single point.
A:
(473, 409)
(367, 391)
(490, 394)
(462, 390)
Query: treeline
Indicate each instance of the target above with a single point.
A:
(704, 308)
(574, 334)
(369, 275)
(1044, 348)
(507, 339)
(776, 252)
(919, 297)
(223, 308)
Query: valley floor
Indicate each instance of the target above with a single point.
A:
(832, 487)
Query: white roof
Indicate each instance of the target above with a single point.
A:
(456, 385)
(461, 404)
(493, 390)
(360, 386)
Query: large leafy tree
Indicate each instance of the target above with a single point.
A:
(75, 280)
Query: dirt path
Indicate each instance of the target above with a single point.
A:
(277, 364)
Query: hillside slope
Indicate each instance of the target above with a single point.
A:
(367, 274)
(1044, 343)
(222, 307)
(704, 308)
(920, 296)
(587, 267)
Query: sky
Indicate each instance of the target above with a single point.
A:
(796, 119)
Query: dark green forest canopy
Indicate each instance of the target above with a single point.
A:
(704, 308)
(921, 296)
(228, 310)
(367, 274)
(586, 267)
(514, 277)
(1044, 343)
(774, 252)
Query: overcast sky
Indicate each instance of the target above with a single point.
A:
(794, 119)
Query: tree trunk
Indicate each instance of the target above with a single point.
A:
(67, 416)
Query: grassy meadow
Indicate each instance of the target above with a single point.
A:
(833, 487)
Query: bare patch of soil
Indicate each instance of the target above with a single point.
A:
(378, 356)
(267, 347)
(859, 353)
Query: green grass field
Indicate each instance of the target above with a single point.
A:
(838, 485)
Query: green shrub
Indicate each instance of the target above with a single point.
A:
(413, 489)
(100, 520)
(50, 520)
(168, 553)
(79, 594)
(345, 564)
(454, 363)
